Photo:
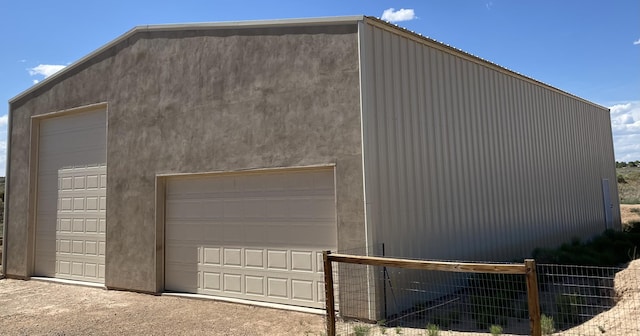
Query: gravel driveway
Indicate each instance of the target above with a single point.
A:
(46, 308)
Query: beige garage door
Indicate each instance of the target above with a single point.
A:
(71, 197)
(256, 236)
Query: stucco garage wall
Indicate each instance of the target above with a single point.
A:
(200, 101)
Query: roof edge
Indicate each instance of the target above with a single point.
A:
(329, 20)
(468, 56)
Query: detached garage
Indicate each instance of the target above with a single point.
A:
(221, 159)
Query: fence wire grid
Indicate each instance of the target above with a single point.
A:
(574, 300)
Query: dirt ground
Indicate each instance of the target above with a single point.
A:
(626, 215)
(45, 308)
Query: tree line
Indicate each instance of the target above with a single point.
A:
(623, 164)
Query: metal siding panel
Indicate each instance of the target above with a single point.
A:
(478, 203)
(386, 127)
(412, 140)
(466, 162)
(420, 145)
(400, 112)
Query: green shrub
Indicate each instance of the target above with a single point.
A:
(546, 324)
(621, 179)
(495, 330)
(433, 330)
(361, 330)
(611, 248)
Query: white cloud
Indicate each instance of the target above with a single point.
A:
(35, 81)
(402, 14)
(625, 125)
(45, 70)
(636, 42)
(4, 120)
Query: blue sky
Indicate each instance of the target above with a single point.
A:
(587, 48)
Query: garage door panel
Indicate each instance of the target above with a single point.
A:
(184, 209)
(232, 257)
(277, 260)
(302, 290)
(302, 261)
(69, 147)
(258, 236)
(255, 285)
(71, 160)
(71, 201)
(212, 256)
(265, 285)
(182, 255)
(184, 278)
(232, 283)
(74, 122)
(278, 288)
(254, 258)
(211, 281)
(47, 247)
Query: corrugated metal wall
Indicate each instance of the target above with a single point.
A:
(465, 160)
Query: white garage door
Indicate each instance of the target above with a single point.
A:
(71, 203)
(256, 236)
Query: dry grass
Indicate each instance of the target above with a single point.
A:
(629, 213)
(629, 185)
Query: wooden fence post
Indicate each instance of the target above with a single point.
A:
(533, 297)
(329, 294)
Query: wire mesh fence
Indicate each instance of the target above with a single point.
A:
(589, 300)
(574, 300)
(380, 300)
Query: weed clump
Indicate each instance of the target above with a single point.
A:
(361, 330)
(433, 330)
(495, 330)
(546, 324)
